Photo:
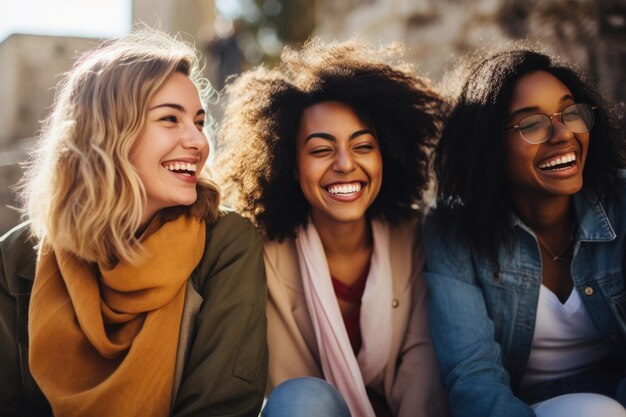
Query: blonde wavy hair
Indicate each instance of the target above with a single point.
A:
(80, 191)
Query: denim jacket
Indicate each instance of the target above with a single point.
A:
(482, 320)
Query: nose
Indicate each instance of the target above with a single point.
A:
(194, 138)
(344, 161)
(560, 131)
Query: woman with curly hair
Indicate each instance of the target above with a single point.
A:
(327, 154)
(141, 298)
(525, 246)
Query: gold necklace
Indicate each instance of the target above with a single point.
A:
(557, 257)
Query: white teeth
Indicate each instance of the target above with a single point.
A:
(570, 157)
(345, 188)
(180, 166)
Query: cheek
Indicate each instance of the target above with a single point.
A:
(299, 173)
(584, 144)
(206, 151)
(374, 167)
(308, 169)
(204, 157)
(134, 156)
(517, 157)
(306, 177)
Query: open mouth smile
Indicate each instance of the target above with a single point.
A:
(183, 170)
(559, 163)
(345, 191)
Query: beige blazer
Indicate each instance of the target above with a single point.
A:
(410, 380)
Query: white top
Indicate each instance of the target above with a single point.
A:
(565, 342)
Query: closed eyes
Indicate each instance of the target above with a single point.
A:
(362, 148)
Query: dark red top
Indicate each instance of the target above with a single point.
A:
(353, 294)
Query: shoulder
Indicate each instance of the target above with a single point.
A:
(231, 227)
(281, 263)
(18, 256)
(405, 242)
(233, 249)
(230, 239)
(432, 232)
(276, 252)
(621, 187)
(443, 251)
(407, 230)
(616, 210)
(16, 238)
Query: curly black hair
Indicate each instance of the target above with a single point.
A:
(256, 142)
(472, 200)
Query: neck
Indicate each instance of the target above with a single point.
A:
(145, 223)
(343, 238)
(545, 216)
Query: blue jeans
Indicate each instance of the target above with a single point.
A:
(608, 381)
(305, 397)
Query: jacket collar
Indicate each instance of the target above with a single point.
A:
(285, 257)
(27, 272)
(594, 224)
(593, 221)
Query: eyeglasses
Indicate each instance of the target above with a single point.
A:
(538, 128)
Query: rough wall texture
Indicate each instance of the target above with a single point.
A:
(590, 34)
(30, 67)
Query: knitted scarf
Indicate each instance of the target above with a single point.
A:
(103, 341)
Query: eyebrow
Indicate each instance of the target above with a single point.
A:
(535, 108)
(176, 107)
(332, 138)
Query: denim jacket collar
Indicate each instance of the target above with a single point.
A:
(593, 221)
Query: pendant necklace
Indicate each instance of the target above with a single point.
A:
(557, 257)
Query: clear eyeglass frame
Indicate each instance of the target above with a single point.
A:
(538, 128)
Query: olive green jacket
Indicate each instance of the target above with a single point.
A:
(225, 368)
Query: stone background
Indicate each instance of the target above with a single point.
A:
(586, 33)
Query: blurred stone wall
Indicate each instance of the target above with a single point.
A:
(30, 67)
(192, 19)
(588, 33)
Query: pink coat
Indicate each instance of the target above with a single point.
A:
(410, 381)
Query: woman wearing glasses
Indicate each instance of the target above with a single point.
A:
(525, 246)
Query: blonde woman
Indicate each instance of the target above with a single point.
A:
(141, 298)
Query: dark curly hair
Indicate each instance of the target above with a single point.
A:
(471, 197)
(256, 143)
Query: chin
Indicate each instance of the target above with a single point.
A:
(187, 201)
(564, 191)
(349, 219)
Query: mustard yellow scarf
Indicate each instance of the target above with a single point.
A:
(103, 342)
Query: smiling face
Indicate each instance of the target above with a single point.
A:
(554, 167)
(172, 148)
(339, 165)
